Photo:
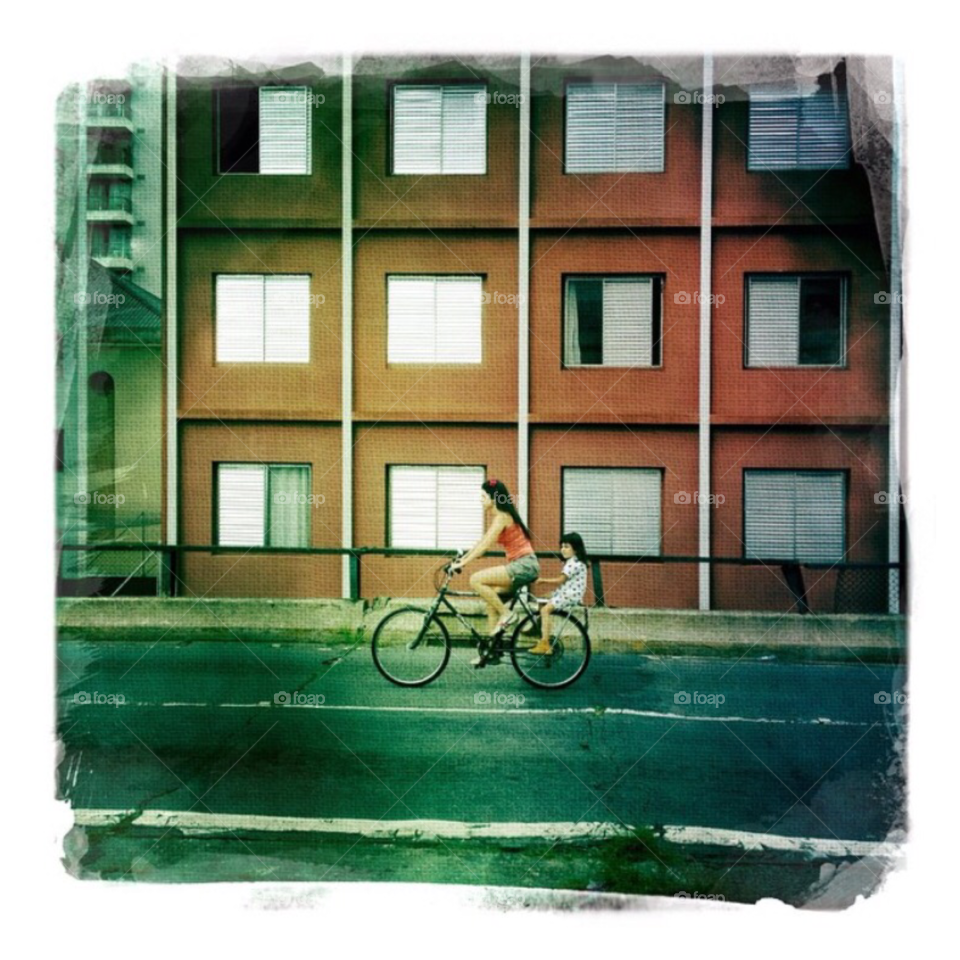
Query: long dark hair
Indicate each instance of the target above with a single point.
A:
(576, 541)
(497, 491)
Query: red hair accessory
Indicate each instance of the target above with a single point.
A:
(491, 483)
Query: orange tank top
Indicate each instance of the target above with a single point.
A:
(514, 542)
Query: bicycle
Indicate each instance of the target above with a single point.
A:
(411, 646)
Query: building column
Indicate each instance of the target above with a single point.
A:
(896, 320)
(706, 308)
(171, 431)
(523, 295)
(346, 319)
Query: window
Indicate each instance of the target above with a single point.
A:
(794, 515)
(612, 322)
(264, 130)
(263, 319)
(615, 510)
(615, 127)
(260, 505)
(434, 319)
(433, 508)
(440, 129)
(792, 131)
(795, 321)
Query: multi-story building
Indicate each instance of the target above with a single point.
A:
(109, 312)
(650, 294)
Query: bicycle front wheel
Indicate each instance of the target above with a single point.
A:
(411, 647)
(569, 656)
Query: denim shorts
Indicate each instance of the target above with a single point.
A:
(524, 570)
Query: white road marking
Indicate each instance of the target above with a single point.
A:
(200, 823)
(505, 711)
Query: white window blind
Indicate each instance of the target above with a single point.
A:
(284, 130)
(242, 505)
(435, 507)
(626, 336)
(440, 129)
(773, 321)
(434, 319)
(794, 515)
(263, 505)
(616, 511)
(615, 127)
(263, 319)
(789, 131)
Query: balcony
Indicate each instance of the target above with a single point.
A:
(110, 109)
(110, 209)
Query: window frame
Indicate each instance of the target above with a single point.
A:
(625, 557)
(308, 87)
(215, 504)
(844, 276)
(776, 171)
(265, 363)
(452, 364)
(388, 500)
(632, 80)
(434, 82)
(844, 473)
(656, 320)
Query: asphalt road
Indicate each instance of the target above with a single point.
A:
(800, 750)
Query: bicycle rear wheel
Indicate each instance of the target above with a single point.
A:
(571, 652)
(410, 647)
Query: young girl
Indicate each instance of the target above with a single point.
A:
(506, 529)
(573, 586)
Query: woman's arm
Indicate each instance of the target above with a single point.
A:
(489, 538)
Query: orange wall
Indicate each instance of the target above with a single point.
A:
(283, 391)
(857, 392)
(674, 452)
(255, 574)
(484, 391)
(612, 199)
(207, 198)
(861, 452)
(666, 393)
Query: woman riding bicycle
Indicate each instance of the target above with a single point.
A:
(506, 529)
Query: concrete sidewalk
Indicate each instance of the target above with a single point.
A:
(877, 638)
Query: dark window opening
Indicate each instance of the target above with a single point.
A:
(239, 125)
(820, 320)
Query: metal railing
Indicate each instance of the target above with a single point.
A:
(854, 587)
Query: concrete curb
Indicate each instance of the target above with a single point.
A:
(877, 638)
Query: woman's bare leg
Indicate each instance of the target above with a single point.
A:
(487, 584)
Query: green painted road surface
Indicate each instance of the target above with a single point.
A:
(316, 759)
